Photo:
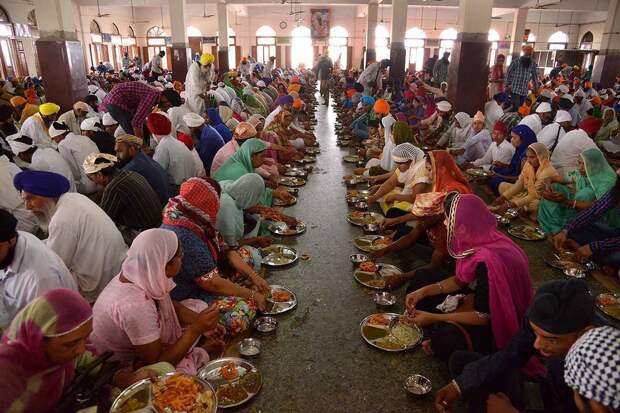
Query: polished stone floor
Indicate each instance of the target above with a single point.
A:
(317, 361)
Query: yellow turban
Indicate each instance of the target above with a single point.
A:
(207, 59)
(48, 109)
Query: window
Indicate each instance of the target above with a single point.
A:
(382, 42)
(4, 16)
(414, 45)
(265, 43)
(94, 27)
(446, 41)
(115, 29)
(494, 39)
(156, 42)
(558, 41)
(586, 41)
(193, 31)
(232, 51)
(338, 42)
(302, 53)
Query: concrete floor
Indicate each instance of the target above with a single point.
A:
(317, 361)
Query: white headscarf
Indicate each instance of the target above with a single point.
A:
(408, 152)
(387, 164)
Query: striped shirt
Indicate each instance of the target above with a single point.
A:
(130, 201)
(519, 76)
(134, 97)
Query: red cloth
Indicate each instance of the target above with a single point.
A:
(591, 125)
(409, 95)
(501, 126)
(186, 139)
(158, 124)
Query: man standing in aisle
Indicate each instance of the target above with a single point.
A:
(156, 65)
(198, 82)
(323, 71)
(519, 74)
(440, 70)
(372, 77)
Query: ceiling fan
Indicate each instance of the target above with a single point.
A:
(133, 18)
(204, 11)
(99, 14)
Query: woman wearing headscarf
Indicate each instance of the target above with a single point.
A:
(240, 229)
(242, 132)
(525, 194)
(497, 76)
(216, 121)
(282, 126)
(477, 144)
(458, 133)
(411, 172)
(384, 163)
(491, 274)
(252, 103)
(226, 114)
(610, 125)
(211, 272)
(43, 348)
(135, 317)
(521, 138)
(577, 191)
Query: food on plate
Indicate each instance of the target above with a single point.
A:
(405, 334)
(353, 193)
(378, 283)
(388, 343)
(373, 333)
(368, 266)
(251, 382)
(232, 393)
(379, 319)
(180, 393)
(229, 371)
(281, 296)
(358, 215)
(132, 405)
(607, 299)
(382, 242)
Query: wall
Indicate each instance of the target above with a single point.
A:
(18, 13)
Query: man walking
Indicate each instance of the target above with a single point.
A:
(520, 72)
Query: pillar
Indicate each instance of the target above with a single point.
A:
(371, 26)
(222, 41)
(60, 53)
(468, 69)
(181, 53)
(397, 46)
(607, 62)
(518, 30)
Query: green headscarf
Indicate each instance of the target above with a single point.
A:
(237, 196)
(607, 129)
(401, 133)
(600, 175)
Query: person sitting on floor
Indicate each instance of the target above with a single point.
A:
(521, 137)
(477, 144)
(500, 152)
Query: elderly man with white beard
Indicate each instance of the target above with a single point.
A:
(80, 232)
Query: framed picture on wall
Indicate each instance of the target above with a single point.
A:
(319, 23)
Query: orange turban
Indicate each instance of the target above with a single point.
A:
(295, 87)
(297, 103)
(382, 107)
(17, 101)
(588, 84)
(524, 110)
(596, 100)
(245, 130)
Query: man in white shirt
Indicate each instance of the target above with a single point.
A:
(37, 125)
(74, 148)
(156, 64)
(198, 81)
(11, 200)
(551, 134)
(28, 268)
(493, 111)
(536, 120)
(500, 152)
(74, 117)
(372, 77)
(269, 66)
(582, 105)
(170, 153)
(80, 232)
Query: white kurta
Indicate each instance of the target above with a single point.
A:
(156, 64)
(198, 165)
(196, 83)
(492, 113)
(533, 121)
(71, 121)
(88, 242)
(550, 133)
(11, 200)
(369, 75)
(48, 159)
(176, 159)
(33, 128)
(176, 114)
(502, 153)
(564, 157)
(270, 118)
(74, 149)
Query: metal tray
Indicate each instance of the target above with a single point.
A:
(270, 255)
(358, 179)
(277, 202)
(313, 150)
(481, 173)
(292, 181)
(306, 159)
(527, 233)
(364, 277)
(367, 242)
(369, 218)
(296, 172)
(275, 308)
(373, 341)
(280, 228)
(362, 194)
(146, 386)
(351, 158)
(611, 310)
(211, 373)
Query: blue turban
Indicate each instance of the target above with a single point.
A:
(500, 97)
(284, 100)
(368, 100)
(42, 183)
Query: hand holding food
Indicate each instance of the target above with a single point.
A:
(413, 298)
(260, 283)
(445, 398)
(207, 319)
(559, 240)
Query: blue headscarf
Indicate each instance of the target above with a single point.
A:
(368, 100)
(216, 122)
(528, 137)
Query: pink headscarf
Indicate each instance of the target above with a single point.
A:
(473, 238)
(29, 379)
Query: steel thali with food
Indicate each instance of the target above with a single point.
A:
(300, 172)
(235, 380)
(376, 330)
(359, 218)
(527, 232)
(351, 158)
(280, 203)
(609, 304)
(292, 181)
(280, 300)
(278, 255)
(282, 228)
(376, 279)
(371, 243)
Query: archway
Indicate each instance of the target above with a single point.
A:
(302, 52)
(156, 42)
(265, 43)
(338, 46)
(446, 42)
(382, 42)
(414, 45)
(558, 41)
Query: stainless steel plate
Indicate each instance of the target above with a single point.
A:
(417, 334)
(482, 173)
(367, 218)
(296, 172)
(306, 159)
(281, 228)
(292, 181)
(527, 233)
(370, 243)
(604, 302)
(360, 194)
(376, 280)
(278, 255)
(313, 150)
(277, 202)
(351, 158)
(211, 372)
(279, 307)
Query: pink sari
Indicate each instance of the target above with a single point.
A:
(473, 238)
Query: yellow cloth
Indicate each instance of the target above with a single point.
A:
(28, 111)
(206, 59)
(422, 176)
(49, 108)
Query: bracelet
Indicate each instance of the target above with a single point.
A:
(440, 287)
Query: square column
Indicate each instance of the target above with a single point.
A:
(222, 40)
(371, 26)
(518, 29)
(181, 54)
(60, 53)
(398, 54)
(469, 69)
(607, 62)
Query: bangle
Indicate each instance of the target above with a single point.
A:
(440, 287)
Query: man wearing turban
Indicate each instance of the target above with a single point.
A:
(77, 228)
(36, 127)
(198, 81)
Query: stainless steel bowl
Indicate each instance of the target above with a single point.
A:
(384, 299)
(265, 324)
(351, 183)
(293, 191)
(418, 385)
(250, 347)
(361, 206)
(371, 228)
(353, 200)
(502, 220)
(358, 258)
(574, 272)
(512, 213)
